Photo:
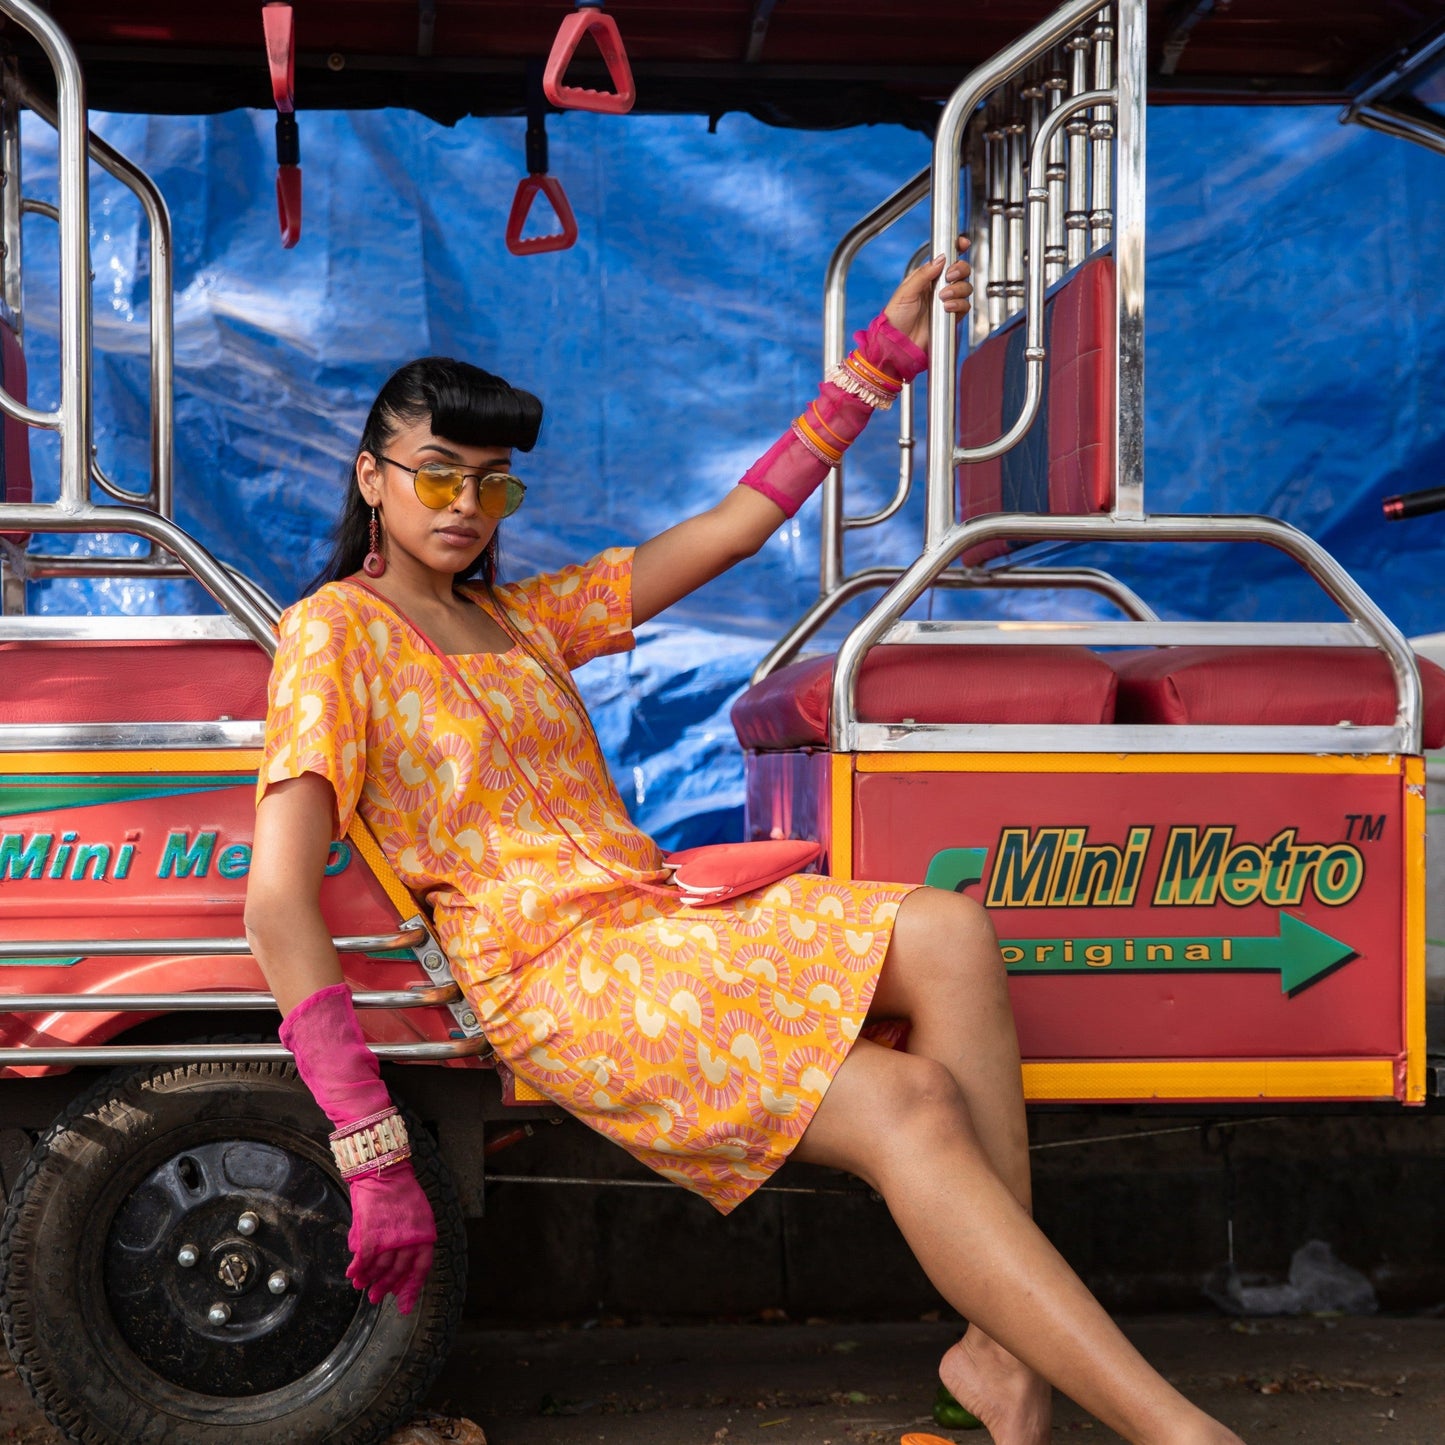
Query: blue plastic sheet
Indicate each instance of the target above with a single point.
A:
(1294, 344)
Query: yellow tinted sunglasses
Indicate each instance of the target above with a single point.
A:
(439, 484)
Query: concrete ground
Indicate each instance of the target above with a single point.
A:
(1325, 1381)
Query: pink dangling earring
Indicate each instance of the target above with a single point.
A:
(374, 564)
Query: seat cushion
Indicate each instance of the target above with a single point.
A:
(930, 683)
(82, 681)
(1278, 685)
(1065, 463)
(14, 435)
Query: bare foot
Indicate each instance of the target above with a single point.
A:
(1014, 1403)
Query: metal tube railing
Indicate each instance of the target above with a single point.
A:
(212, 574)
(161, 492)
(1087, 579)
(906, 443)
(81, 1055)
(835, 327)
(1130, 81)
(72, 420)
(1000, 526)
(51, 948)
(10, 198)
(1034, 352)
(944, 231)
(425, 996)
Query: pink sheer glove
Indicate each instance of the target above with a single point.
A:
(790, 471)
(392, 1236)
(392, 1229)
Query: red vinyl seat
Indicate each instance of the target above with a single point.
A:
(15, 483)
(1269, 685)
(83, 681)
(1064, 465)
(930, 683)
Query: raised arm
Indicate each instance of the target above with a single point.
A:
(893, 350)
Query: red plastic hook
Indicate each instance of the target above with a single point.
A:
(589, 16)
(527, 189)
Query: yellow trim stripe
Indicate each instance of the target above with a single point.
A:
(1414, 930)
(360, 837)
(222, 760)
(840, 846)
(1124, 763)
(1210, 1079)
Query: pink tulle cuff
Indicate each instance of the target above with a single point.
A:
(296, 1019)
(795, 465)
(886, 346)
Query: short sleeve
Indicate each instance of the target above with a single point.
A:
(318, 703)
(586, 608)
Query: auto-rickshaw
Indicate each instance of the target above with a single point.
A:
(1202, 842)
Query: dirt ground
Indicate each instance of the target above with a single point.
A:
(1325, 1381)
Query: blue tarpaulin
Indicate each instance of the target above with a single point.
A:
(1294, 327)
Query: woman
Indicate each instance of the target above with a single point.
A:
(711, 1043)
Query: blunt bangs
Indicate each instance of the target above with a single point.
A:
(466, 404)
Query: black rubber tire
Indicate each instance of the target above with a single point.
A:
(56, 1308)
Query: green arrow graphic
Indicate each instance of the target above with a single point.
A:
(953, 869)
(1301, 955)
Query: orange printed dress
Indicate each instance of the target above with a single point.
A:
(699, 1039)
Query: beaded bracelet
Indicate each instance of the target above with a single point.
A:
(856, 375)
(371, 1144)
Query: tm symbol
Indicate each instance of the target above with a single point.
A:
(1372, 826)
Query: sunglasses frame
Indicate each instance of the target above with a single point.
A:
(515, 487)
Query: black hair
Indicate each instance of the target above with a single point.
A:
(464, 404)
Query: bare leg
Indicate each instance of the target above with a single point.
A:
(945, 975)
(900, 1122)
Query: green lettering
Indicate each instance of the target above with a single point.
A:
(1243, 874)
(18, 862)
(1339, 875)
(235, 861)
(182, 858)
(95, 856)
(1021, 875)
(1190, 875)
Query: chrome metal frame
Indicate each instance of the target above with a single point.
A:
(250, 613)
(1373, 107)
(1035, 158)
(1079, 138)
(835, 328)
(408, 936)
(848, 735)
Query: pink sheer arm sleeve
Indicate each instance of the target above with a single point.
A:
(795, 465)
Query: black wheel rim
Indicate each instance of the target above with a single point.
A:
(177, 1248)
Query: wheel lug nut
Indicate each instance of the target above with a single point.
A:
(189, 1257)
(248, 1223)
(278, 1283)
(219, 1313)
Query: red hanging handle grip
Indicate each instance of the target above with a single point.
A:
(527, 189)
(279, 22)
(288, 204)
(609, 42)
